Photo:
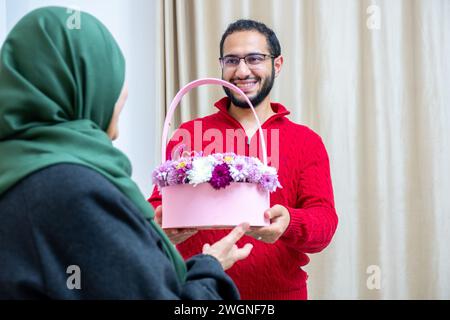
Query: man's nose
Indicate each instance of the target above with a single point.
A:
(242, 70)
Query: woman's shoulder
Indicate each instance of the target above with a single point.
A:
(66, 186)
(72, 193)
(65, 178)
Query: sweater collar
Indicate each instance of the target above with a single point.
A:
(278, 108)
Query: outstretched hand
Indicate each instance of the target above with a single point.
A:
(226, 250)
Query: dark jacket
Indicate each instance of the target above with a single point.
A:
(66, 232)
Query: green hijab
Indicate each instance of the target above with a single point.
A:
(59, 83)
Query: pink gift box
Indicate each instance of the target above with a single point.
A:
(202, 206)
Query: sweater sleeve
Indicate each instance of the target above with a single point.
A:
(90, 224)
(313, 219)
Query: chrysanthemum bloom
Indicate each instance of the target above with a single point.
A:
(201, 170)
(220, 176)
(239, 169)
(161, 176)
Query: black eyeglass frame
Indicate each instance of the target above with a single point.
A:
(222, 63)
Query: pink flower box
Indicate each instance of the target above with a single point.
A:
(203, 206)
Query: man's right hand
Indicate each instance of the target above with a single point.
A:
(176, 235)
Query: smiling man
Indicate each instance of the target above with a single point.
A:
(302, 215)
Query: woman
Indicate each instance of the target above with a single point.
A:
(72, 223)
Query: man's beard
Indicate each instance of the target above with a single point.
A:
(256, 100)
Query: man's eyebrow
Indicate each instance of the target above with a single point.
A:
(235, 55)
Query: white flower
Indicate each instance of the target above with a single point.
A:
(201, 170)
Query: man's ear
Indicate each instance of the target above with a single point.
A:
(277, 64)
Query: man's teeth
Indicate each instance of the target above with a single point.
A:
(246, 85)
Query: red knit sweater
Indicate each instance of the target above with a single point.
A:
(273, 271)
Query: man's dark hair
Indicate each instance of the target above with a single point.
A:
(251, 25)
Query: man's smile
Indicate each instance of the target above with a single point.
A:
(246, 85)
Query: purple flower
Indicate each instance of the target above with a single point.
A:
(254, 173)
(176, 176)
(220, 176)
(269, 182)
(162, 175)
(157, 178)
(238, 169)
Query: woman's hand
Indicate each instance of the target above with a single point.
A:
(226, 250)
(176, 235)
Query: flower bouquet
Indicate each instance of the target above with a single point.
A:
(219, 170)
(213, 191)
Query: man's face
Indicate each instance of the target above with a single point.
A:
(255, 81)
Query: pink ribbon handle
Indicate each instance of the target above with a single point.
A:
(198, 83)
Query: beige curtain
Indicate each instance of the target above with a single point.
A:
(371, 77)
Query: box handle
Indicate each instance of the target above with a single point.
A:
(198, 83)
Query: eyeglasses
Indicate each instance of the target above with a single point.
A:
(253, 60)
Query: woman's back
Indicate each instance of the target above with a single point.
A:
(68, 233)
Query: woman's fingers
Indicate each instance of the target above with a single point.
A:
(237, 233)
(226, 251)
(243, 252)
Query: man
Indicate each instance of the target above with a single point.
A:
(302, 214)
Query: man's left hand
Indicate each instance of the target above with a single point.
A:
(279, 221)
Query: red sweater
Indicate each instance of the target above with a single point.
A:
(273, 271)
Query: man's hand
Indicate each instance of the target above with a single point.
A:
(279, 221)
(176, 235)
